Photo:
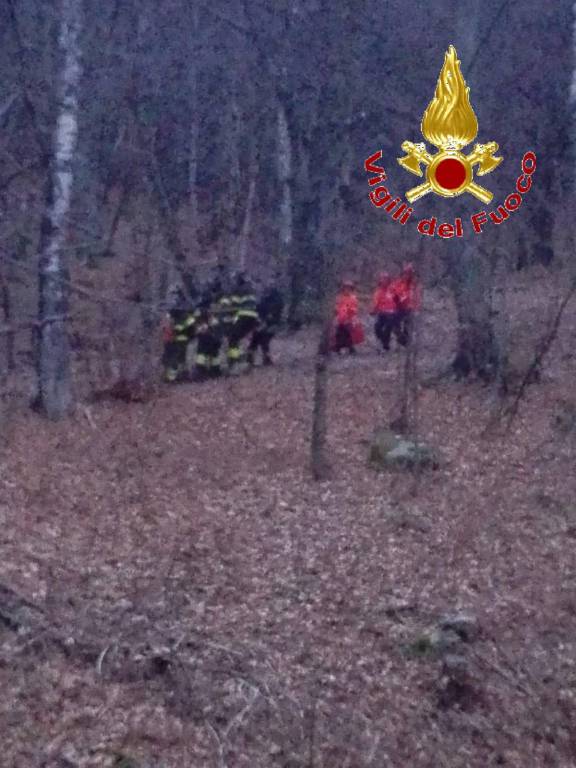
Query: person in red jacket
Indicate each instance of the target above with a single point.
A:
(348, 329)
(408, 298)
(385, 309)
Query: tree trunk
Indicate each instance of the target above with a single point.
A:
(572, 112)
(477, 350)
(407, 422)
(116, 217)
(319, 462)
(169, 225)
(230, 204)
(194, 133)
(285, 213)
(149, 294)
(468, 266)
(330, 240)
(10, 336)
(247, 222)
(54, 374)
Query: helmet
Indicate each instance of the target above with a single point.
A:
(408, 268)
(205, 301)
(384, 278)
(348, 284)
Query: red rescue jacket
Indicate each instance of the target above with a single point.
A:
(383, 300)
(346, 308)
(408, 294)
(347, 314)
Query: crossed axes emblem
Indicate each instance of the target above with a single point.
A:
(449, 172)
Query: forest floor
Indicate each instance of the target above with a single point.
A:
(195, 600)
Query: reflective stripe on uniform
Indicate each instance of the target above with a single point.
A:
(246, 299)
(185, 324)
(224, 310)
(234, 353)
(247, 313)
(202, 360)
(181, 337)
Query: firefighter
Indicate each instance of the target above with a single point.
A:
(191, 292)
(223, 309)
(178, 333)
(208, 342)
(220, 280)
(348, 330)
(408, 298)
(385, 309)
(245, 318)
(270, 309)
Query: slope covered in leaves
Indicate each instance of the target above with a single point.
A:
(201, 602)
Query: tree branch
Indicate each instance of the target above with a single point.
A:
(485, 38)
(541, 352)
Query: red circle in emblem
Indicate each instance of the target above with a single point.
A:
(450, 173)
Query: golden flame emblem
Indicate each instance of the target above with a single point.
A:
(449, 123)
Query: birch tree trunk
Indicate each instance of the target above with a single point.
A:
(54, 374)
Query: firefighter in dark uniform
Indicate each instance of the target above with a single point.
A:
(178, 333)
(222, 308)
(190, 290)
(270, 309)
(246, 318)
(209, 342)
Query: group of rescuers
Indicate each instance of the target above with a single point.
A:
(229, 316)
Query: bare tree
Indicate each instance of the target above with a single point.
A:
(285, 178)
(470, 281)
(54, 374)
(469, 272)
(244, 236)
(572, 93)
(330, 241)
(6, 304)
(318, 459)
(194, 132)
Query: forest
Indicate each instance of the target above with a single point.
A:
(225, 544)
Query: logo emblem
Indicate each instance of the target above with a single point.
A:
(449, 123)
